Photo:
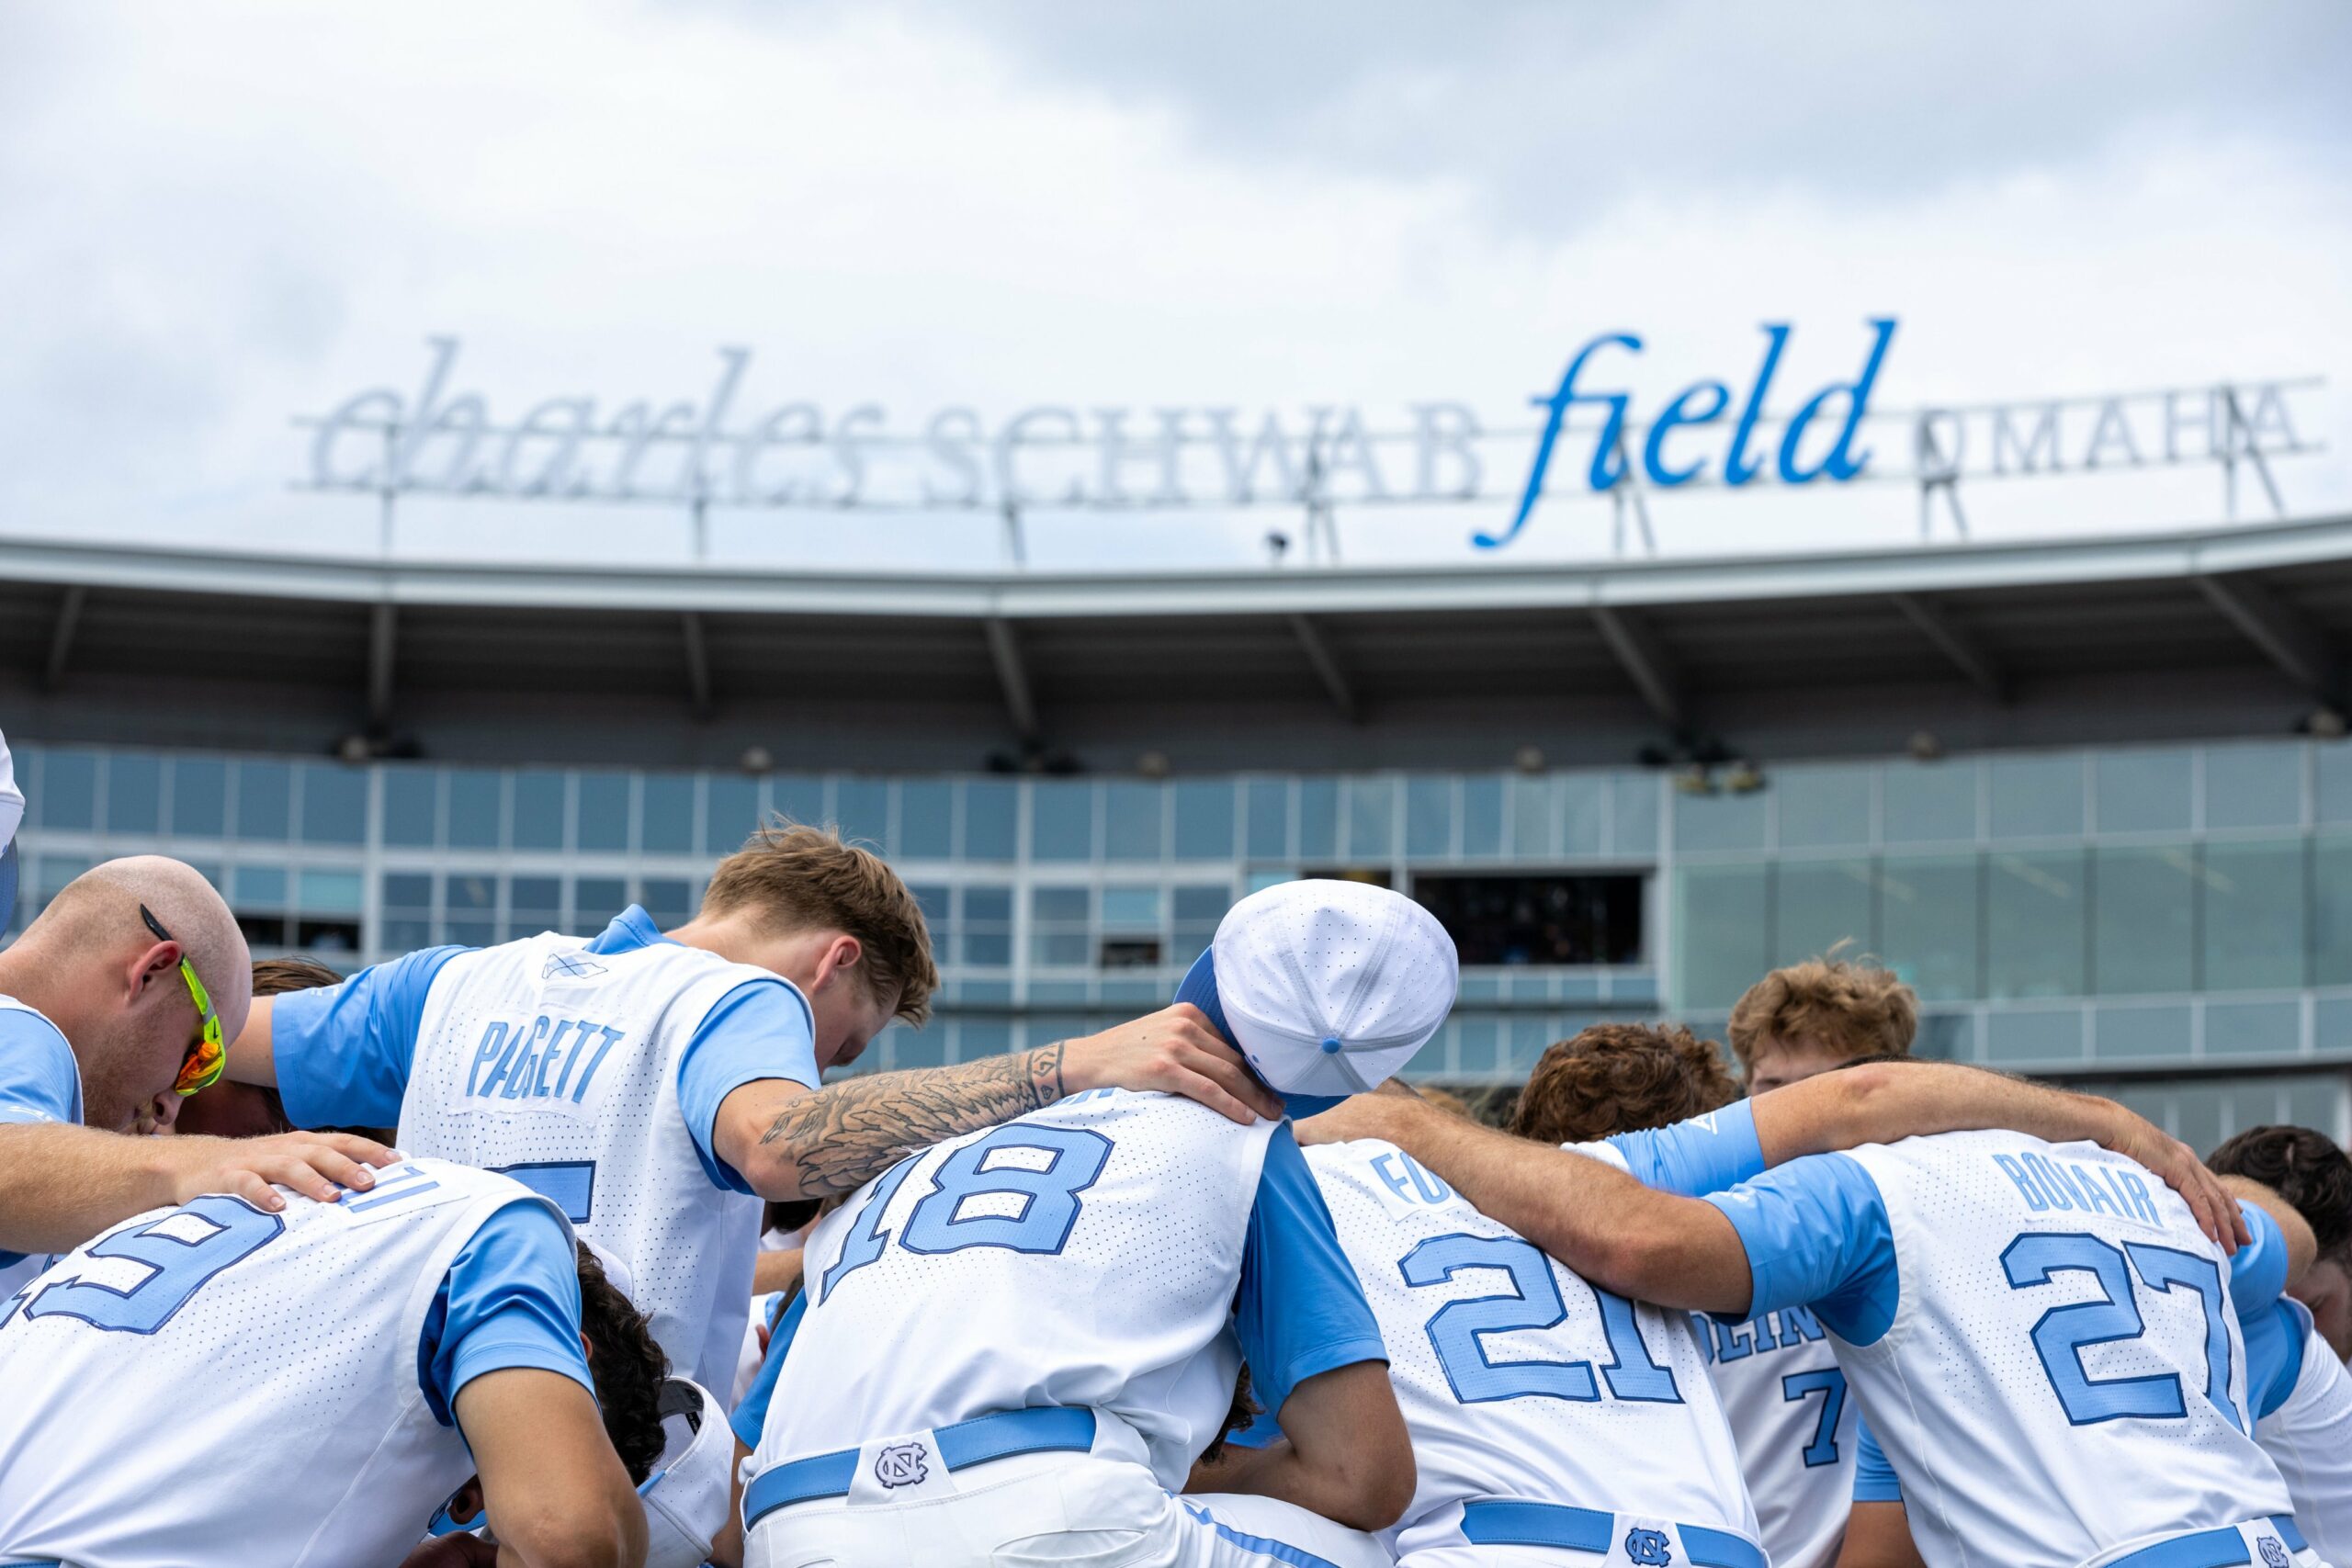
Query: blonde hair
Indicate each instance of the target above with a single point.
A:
(1847, 1007)
(803, 878)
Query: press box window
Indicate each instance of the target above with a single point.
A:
(1538, 919)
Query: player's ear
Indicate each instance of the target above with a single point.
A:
(841, 959)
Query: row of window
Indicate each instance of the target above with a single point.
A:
(2217, 915)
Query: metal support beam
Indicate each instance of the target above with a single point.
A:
(61, 637)
(384, 643)
(1005, 652)
(1644, 661)
(1318, 649)
(1956, 643)
(697, 664)
(2300, 650)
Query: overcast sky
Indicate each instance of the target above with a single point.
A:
(219, 216)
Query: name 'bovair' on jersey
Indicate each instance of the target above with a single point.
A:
(308, 1359)
(2045, 1344)
(592, 1071)
(1522, 1384)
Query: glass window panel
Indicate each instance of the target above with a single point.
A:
(991, 819)
(668, 899)
(1823, 805)
(1477, 1041)
(730, 811)
(666, 823)
(2332, 768)
(1204, 809)
(1634, 802)
(2247, 1028)
(264, 800)
(1318, 818)
(1530, 818)
(334, 803)
(1058, 949)
(863, 807)
(325, 892)
(1945, 1037)
(56, 871)
(2254, 786)
(1204, 903)
(2124, 1033)
(199, 798)
(1133, 826)
(2014, 1037)
(2033, 915)
(409, 806)
(1482, 816)
(2137, 792)
(1131, 908)
(926, 818)
(537, 901)
(1928, 925)
(68, 795)
(2037, 797)
(2197, 1116)
(2254, 916)
(2331, 912)
(604, 812)
(978, 1037)
(474, 809)
(2144, 928)
(1372, 818)
(934, 897)
(1065, 904)
(1930, 802)
(1720, 924)
(1718, 822)
(405, 932)
(800, 797)
(407, 890)
(916, 1047)
(1429, 815)
(990, 950)
(134, 794)
(2317, 1103)
(596, 900)
(1061, 820)
(989, 904)
(1268, 818)
(538, 810)
(258, 887)
(1818, 904)
(1584, 812)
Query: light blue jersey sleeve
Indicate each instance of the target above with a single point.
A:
(1300, 1310)
(762, 1029)
(1816, 1235)
(750, 1417)
(1874, 1479)
(511, 1299)
(38, 1081)
(2275, 1339)
(1698, 1155)
(343, 1052)
(2257, 1269)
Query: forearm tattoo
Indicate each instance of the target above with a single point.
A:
(843, 1136)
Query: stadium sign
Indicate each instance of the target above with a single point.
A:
(444, 440)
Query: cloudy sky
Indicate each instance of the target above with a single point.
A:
(219, 215)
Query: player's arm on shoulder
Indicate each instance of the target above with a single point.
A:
(2302, 1247)
(62, 1185)
(1344, 1452)
(788, 1142)
(1877, 1535)
(1883, 1102)
(554, 1489)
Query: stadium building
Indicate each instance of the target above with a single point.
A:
(2085, 796)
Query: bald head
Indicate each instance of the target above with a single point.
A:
(114, 987)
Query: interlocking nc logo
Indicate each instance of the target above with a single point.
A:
(579, 966)
(1648, 1548)
(2274, 1552)
(902, 1465)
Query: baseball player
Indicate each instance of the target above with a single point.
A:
(1015, 1347)
(220, 1384)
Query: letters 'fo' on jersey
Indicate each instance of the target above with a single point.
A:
(1518, 1379)
(561, 1066)
(1086, 1254)
(284, 1348)
(2063, 1374)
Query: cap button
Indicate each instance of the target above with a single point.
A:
(1330, 1045)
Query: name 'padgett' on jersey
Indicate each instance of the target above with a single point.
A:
(2047, 1184)
(535, 1058)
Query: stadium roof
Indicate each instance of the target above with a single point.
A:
(2234, 630)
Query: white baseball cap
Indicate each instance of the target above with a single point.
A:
(1326, 988)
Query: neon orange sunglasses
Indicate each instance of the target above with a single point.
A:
(208, 1055)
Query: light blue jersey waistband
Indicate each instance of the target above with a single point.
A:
(2223, 1548)
(1495, 1523)
(1057, 1428)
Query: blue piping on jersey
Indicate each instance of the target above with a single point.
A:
(1264, 1546)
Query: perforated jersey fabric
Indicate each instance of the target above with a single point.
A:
(1777, 1377)
(2309, 1437)
(561, 1066)
(1649, 1439)
(1963, 1399)
(1109, 1285)
(298, 1431)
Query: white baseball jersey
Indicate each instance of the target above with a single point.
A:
(217, 1384)
(40, 1081)
(561, 1066)
(2308, 1435)
(1083, 1255)
(1519, 1381)
(1786, 1401)
(2041, 1337)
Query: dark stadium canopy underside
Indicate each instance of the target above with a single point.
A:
(2239, 631)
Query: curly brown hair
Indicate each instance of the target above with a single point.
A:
(627, 1366)
(1832, 1004)
(2304, 1167)
(1620, 1077)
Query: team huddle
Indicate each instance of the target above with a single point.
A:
(563, 1252)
